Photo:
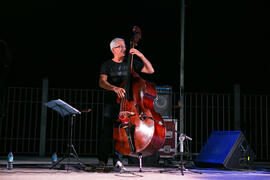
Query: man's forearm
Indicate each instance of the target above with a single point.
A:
(148, 68)
(106, 85)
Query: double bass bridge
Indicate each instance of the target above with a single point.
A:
(124, 117)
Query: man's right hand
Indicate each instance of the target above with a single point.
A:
(120, 92)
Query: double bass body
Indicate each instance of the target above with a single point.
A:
(143, 133)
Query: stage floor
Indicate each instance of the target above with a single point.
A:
(28, 168)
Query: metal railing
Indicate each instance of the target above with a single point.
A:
(21, 129)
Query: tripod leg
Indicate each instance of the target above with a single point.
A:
(75, 155)
(65, 156)
(74, 152)
(60, 160)
(182, 164)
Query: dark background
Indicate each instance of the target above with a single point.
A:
(226, 42)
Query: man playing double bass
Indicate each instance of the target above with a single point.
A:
(112, 74)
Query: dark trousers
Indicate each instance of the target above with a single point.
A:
(106, 146)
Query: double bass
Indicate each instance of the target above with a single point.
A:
(140, 130)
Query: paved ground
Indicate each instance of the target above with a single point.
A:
(28, 168)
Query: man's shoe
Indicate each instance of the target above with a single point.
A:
(98, 168)
(101, 165)
(119, 167)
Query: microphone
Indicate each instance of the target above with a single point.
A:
(183, 137)
(189, 138)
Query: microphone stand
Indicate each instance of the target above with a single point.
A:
(182, 138)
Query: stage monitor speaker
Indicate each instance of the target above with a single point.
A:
(226, 149)
(163, 101)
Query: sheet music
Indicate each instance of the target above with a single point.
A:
(62, 107)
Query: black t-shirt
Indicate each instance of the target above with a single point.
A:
(117, 73)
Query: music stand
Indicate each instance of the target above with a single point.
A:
(65, 109)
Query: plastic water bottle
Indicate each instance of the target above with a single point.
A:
(54, 158)
(10, 161)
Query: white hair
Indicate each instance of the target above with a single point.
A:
(113, 42)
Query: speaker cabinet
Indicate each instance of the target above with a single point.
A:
(163, 101)
(169, 148)
(227, 149)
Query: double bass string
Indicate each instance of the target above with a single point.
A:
(122, 116)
